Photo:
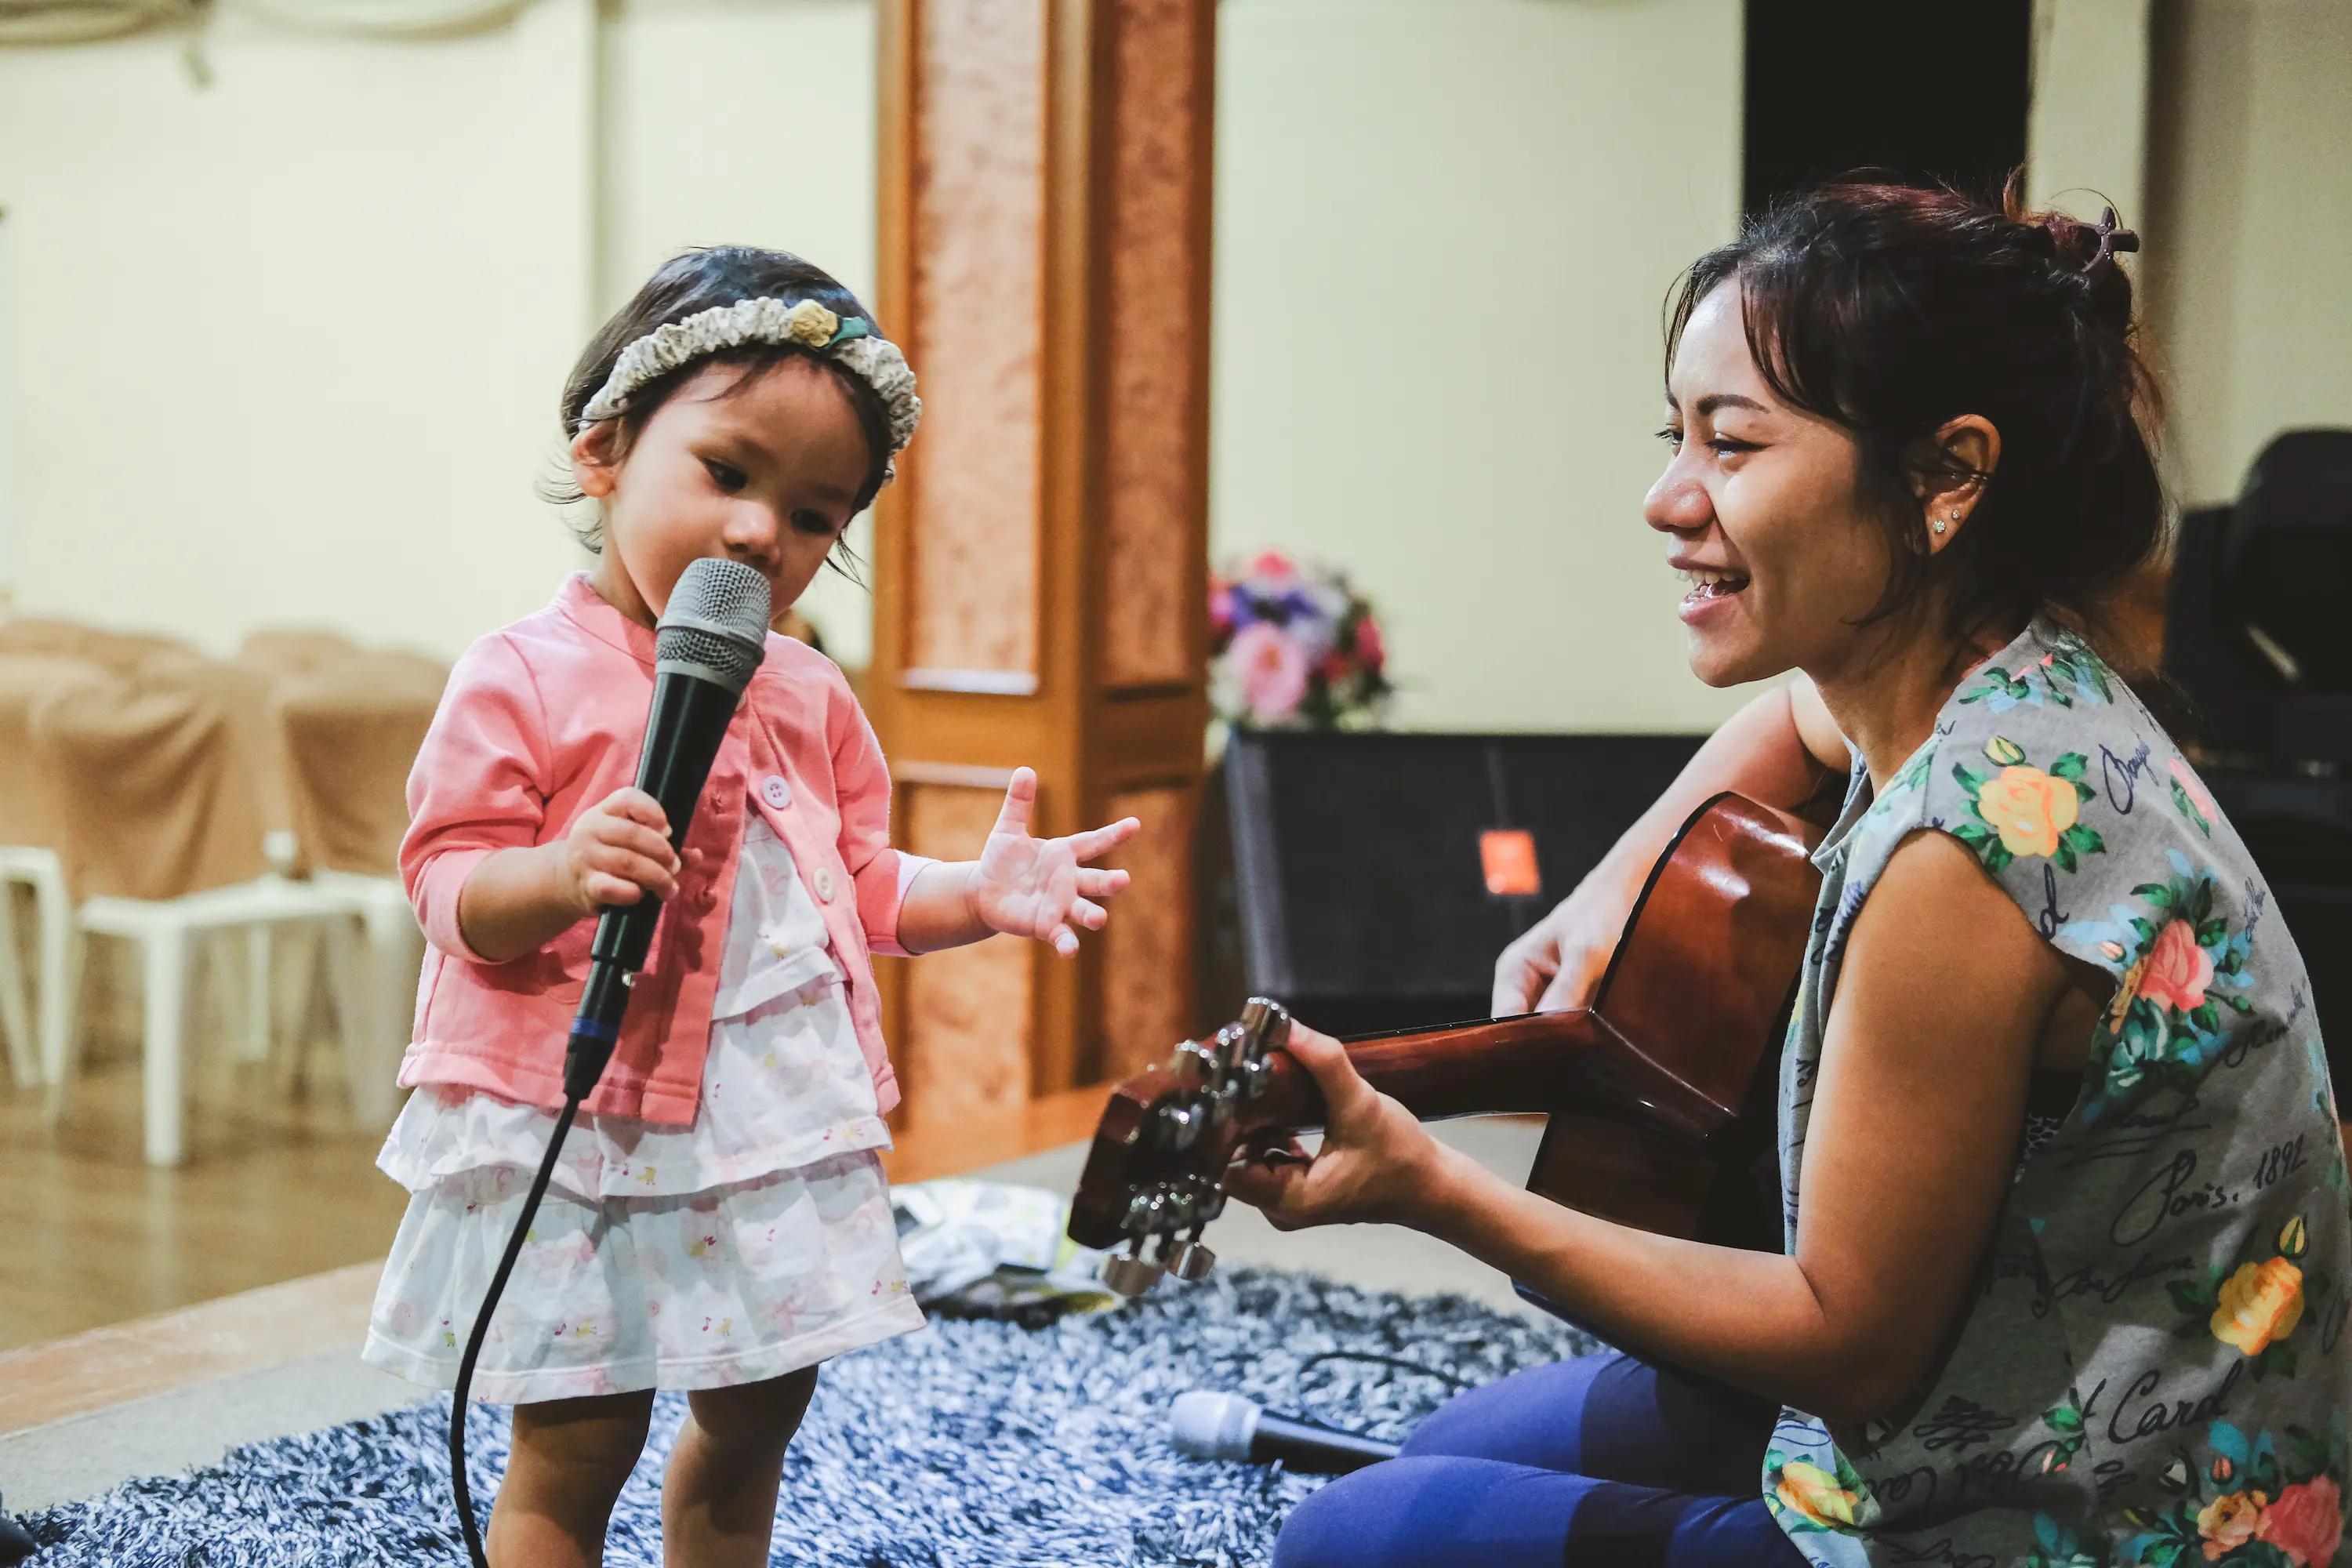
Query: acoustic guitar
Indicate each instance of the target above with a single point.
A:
(1661, 1094)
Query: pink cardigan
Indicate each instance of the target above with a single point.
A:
(544, 720)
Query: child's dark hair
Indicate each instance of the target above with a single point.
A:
(1891, 311)
(700, 280)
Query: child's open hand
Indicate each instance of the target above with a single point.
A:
(619, 851)
(1038, 887)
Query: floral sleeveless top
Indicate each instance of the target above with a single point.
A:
(2152, 1367)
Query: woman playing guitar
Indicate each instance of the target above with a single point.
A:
(1908, 462)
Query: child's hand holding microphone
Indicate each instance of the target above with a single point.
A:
(618, 852)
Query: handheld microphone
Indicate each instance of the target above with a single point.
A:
(1227, 1426)
(706, 647)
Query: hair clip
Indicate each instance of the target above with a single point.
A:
(2113, 240)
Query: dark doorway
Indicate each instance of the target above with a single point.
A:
(1921, 89)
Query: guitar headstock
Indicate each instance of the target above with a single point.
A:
(1155, 1177)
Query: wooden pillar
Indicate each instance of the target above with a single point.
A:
(1040, 572)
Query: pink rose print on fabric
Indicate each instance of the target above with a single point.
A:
(2194, 788)
(2177, 970)
(2306, 1522)
(2191, 797)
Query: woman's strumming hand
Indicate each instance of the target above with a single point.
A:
(1559, 961)
(1777, 749)
(1041, 887)
(1378, 1164)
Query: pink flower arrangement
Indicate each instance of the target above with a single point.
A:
(1272, 670)
(1294, 649)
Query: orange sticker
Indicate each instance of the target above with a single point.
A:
(1508, 857)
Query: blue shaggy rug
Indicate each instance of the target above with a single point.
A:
(973, 1444)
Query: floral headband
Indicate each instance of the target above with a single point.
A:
(849, 342)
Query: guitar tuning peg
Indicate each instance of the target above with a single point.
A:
(1266, 1026)
(1192, 1262)
(1130, 1277)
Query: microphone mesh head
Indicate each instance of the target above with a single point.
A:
(716, 621)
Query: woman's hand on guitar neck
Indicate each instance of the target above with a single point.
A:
(1376, 1163)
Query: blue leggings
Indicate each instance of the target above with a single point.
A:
(1601, 1462)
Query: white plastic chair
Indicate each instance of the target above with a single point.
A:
(35, 1048)
(383, 998)
(166, 931)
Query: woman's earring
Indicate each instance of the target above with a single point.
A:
(1939, 525)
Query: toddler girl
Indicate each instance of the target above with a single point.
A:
(719, 1220)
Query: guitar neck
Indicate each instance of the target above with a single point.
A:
(1487, 1068)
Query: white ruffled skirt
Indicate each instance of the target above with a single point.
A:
(706, 1290)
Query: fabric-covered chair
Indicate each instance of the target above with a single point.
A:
(37, 654)
(351, 722)
(28, 857)
(162, 782)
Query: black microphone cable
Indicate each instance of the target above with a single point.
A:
(711, 641)
(583, 1063)
(482, 1327)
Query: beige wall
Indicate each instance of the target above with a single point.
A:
(2250, 228)
(284, 346)
(1444, 228)
(7, 414)
(751, 123)
(420, 234)
(2086, 130)
(287, 347)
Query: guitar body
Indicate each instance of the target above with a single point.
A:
(1661, 1094)
(1698, 995)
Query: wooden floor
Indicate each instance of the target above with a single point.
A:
(279, 1206)
(278, 1184)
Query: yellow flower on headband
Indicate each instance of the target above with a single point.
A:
(812, 324)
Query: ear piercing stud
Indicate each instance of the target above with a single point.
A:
(1939, 522)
